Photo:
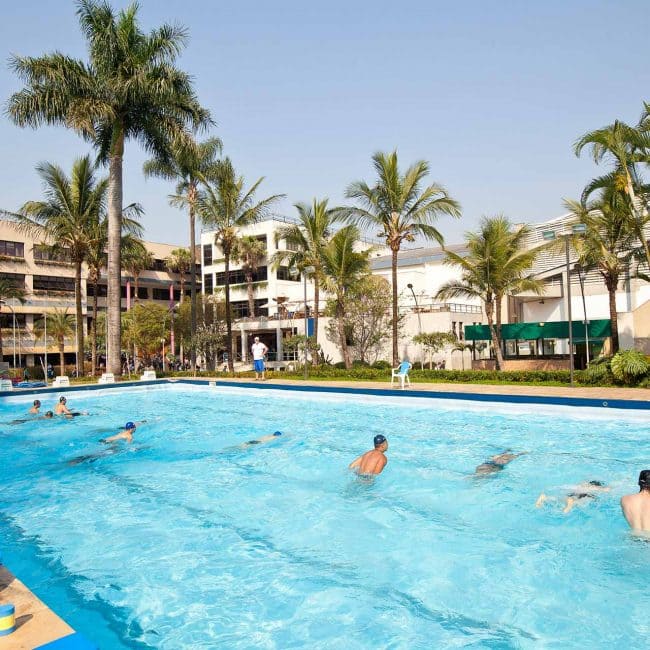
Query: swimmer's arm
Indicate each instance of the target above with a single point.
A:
(570, 503)
(355, 463)
(117, 436)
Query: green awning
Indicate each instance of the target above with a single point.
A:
(598, 329)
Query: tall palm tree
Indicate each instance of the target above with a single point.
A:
(68, 217)
(401, 209)
(497, 264)
(226, 207)
(136, 259)
(626, 146)
(130, 88)
(305, 243)
(9, 291)
(60, 325)
(607, 242)
(343, 268)
(249, 252)
(189, 163)
(180, 261)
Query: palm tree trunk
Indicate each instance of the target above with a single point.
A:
(394, 278)
(316, 304)
(114, 279)
(62, 356)
(79, 315)
(340, 323)
(496, 342)
(231, 365)
(613, 316)
(193, 299)
(182, 278)
(2, 357)
(93, 328)
(249, 290)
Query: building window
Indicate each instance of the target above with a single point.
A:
(12, 248)
(15, 279)
(158, 265)
(207, 254)
(102, 291)
(461, 333)
(240, 308)
(238, 277)
(284, 274)
(163, 294)
(208, 284)
(7, 320)
(45, 253)
(53, 283)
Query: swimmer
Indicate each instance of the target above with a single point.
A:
(35, 407)
(263, 439)
(497, 463)
(125, 434)
(581, 493)
(636, 507)
(373, 461)
(48, 416)
(61, 408)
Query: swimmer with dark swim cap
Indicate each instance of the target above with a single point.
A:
(581, 494)
(497, 463)
(125, 434)
(35, 407)
(636, 507)
(373, 461)
(263, 439)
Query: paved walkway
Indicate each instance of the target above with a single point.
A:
(588, 392)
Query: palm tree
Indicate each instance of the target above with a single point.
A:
(607, 241)
(190, 162)
(497, 264)
(180, 261)
(129, 89)
(401, 209)
(343, 267)
(249, 251)
(626, 146)
(226, 206)
(305, 243)
(60, 325)
(68, 216)
(9, 291)
(136, 259)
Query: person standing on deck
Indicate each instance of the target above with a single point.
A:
(259, 350)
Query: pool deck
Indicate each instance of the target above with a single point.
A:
(36, 623)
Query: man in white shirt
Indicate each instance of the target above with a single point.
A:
(259, 350)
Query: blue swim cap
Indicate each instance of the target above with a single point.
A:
(277, 433)
(129, 425)
(379, 440)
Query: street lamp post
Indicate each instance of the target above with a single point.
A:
(417, 311)
(582, 273)
(305, 271)
(550, 235)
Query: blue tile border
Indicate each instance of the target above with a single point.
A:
(590, 402)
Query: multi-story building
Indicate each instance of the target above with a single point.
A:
(48, 284)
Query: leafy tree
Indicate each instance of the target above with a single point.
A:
(136, 259)
(343, 268)
(401, 209)
(61, 325)
(208, 341)
(145, 326)
(129, 89)
(497, 264)
(189, 163)
(628, 366)
(249, 252)
(9, 291)
(226, 207)
(434, 342)
(180, 261)
(305, 243)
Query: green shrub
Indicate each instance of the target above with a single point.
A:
(598, 372)
(629, 366)
(381, 365)
(360, 364)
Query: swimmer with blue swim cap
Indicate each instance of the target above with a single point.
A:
(125, 434)
(373, 461)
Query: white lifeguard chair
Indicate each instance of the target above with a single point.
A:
(61, 382)
(148, 375)
(106, 378)
(5, 384)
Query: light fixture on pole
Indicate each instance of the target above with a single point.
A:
(582, 274)
(550, 235)
(417, 311)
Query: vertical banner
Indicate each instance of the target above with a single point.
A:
(172, 342)
(128, 295)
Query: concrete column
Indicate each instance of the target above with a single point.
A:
(244, 347)
(278, 341)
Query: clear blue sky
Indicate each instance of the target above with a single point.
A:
(492, 94)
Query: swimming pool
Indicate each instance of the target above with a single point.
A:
(189, 539)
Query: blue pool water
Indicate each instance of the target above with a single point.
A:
(187, 539)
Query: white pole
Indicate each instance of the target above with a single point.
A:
(14, 321)
(45, 337)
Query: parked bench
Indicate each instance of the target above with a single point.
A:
(61, 382)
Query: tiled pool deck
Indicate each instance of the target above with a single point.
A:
(37, 624)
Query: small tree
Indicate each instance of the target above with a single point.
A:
(249, 251)
(208, 341)
(434, 342)
(60, 324)
(180, 261)
(9, 291)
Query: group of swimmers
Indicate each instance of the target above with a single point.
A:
(635, 507)
(61, 408)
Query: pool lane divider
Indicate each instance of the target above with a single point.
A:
(589, 402)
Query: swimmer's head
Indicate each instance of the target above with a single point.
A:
(380, 441)
(130, 426)
(37, 403)
(62, 400)
(644, 479)
(597, 483)
(277, 433)
(49, 414)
